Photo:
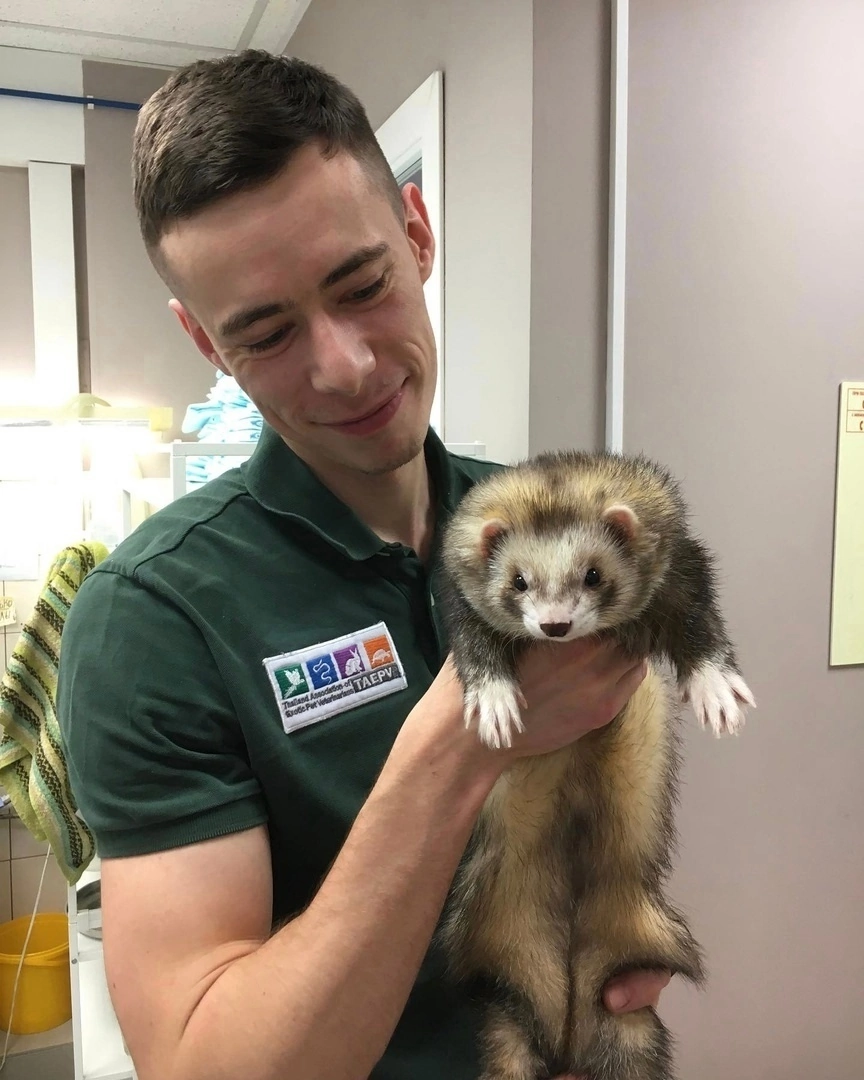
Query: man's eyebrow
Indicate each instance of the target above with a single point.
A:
(242, 320)
(356, 261)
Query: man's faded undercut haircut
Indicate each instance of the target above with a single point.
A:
(222, 126)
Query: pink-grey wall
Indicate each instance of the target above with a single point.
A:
(569, 226)
(17, 356)
(745, 309)
(139, 354)
(385, 50)
(132, 351)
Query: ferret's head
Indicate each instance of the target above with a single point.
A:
(563, 583)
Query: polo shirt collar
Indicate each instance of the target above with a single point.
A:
(284, 484)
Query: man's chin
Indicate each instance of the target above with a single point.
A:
(390, 459)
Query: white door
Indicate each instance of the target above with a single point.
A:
(412, 139)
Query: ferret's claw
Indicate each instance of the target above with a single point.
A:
(717, 695)
(494, 704)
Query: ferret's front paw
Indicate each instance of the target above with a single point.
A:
(717, 696)
(494, 704)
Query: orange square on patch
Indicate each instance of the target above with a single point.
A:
(379, 652)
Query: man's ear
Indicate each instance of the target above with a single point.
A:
(199, 337)
(418, 229)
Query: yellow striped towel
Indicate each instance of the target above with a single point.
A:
(32, 764)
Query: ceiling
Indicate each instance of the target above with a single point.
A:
(163, 32)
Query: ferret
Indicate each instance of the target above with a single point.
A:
(562, 885)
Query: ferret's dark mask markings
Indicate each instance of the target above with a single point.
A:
(562, 886)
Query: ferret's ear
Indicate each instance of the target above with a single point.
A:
(491, 534)
(622, 521)
(625, 524)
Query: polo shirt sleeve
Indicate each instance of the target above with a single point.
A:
(152, 740)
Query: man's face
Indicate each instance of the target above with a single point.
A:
(309, 291)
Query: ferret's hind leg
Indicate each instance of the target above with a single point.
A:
(621, 929)
(510, 1050)
(637, 1046)
(622, 919)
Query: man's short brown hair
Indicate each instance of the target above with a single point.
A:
(221, 126)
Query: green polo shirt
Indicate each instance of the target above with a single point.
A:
(248, 656)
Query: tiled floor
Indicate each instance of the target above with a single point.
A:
(47, 1055)
(27, 1044)
(51, 1063)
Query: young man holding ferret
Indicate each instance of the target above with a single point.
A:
(262, 727)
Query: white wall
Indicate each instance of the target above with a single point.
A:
(47, 138)
(384, 51)
(40, 130)
(55, 303)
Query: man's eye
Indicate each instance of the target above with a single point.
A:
(268, 342)
(371, 290)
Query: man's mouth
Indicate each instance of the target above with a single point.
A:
(372, 419)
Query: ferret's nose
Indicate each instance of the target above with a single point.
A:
(555, 629)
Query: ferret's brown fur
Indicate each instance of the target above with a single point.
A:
(562, 887)
(515, 905)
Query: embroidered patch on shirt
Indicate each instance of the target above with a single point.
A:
(334, 676)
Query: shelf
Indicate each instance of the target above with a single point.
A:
(85, 948)
(88, 949)
(155, 490)
(103, 1054)
(91, 874)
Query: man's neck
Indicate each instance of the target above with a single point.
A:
(398, 506)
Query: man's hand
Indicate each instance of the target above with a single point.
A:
(571, 689)
(636, 990)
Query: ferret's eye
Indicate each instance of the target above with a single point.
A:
(592, 577)
(520, 583)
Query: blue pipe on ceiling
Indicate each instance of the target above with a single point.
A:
(103, 103)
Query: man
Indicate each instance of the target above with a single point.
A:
(261, 725)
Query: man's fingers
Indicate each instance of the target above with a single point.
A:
(634, 673)
(632, 677)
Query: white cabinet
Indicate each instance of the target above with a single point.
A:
(98, 1048)
(159, 491)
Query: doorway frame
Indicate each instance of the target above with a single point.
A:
(415, 132)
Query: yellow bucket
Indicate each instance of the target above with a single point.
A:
(44, 990)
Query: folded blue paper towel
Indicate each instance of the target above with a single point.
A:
(226, 416)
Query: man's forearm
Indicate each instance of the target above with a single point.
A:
(321, 997)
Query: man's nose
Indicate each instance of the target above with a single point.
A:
(341, 359)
